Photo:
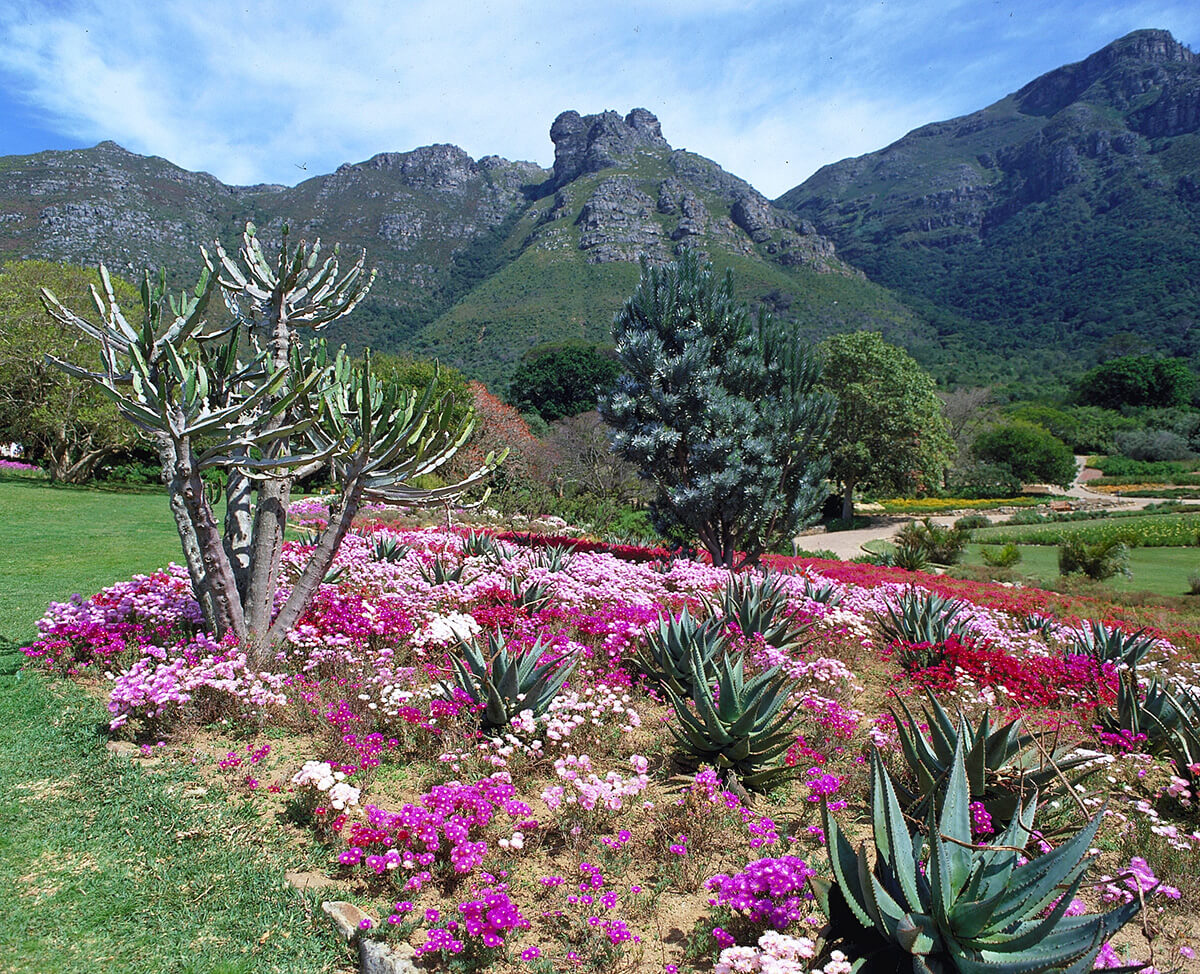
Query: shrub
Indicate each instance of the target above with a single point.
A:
(971, 521)
(1000, 556)
(977, 480)
(1032, 453)
(941, 545)
(1194, 583)
(1099, 561)
(1153, 445)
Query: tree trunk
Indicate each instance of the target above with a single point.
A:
(314, 573)
(848, 502)
(187, 533)
(270, 520)
(218, 576)
(238, 522)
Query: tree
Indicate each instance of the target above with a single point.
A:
(562, 380)
(889, 435)
(63, 423)
(256, 402)
(1137, 380)
(1032, 453)
(721, 412)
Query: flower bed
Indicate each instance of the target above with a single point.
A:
(580, 837)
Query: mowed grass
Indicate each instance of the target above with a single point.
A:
(105, 865)
(1151, 530)
(1163, 571)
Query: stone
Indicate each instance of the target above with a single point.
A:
(589, 143)
(347, 918)
(307, 880)
(376, 957)
(122, 749)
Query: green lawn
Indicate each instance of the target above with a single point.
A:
(105, 865)
(1163, 571)
(1152, 530)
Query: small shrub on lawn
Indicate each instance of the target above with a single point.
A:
(1004, 556)
(1098, 561)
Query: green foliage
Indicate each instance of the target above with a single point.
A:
(747, 731)
(720, 412)
(1143, 470)
(1002, 763)
(908, 554)
(1000, 556)
(503, 684)
(562, 380)
(1100, 560)
(969, 522)
(1152, 715)
(667, 655)
(920, 623)
(418, 374)
(889, 436)
(1032, 453)
(1151, 445)
(65, 425)
(759, 606)
(1137, 380)
(1111, 644)
(973, 908)
(1085, 429)
(941, 545)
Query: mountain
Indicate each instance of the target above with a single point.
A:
(479, 260)
(1055, 227)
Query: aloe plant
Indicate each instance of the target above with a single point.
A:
(747, 731)
(387, 548)
(1002, 763)
(1183, 737)
(554, 558)
(666, 655)
(485, 546)
(920, 623)
(505, 684)
(827, 593)
(529, 596)
(943, 905)
(759, 605)
(437, 572)
(1154, 714)
(1114, 645)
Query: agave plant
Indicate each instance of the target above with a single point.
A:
(437, 572)
(1001, 763)
(1154, 715)
(1107, 645)
(529, 596)
(666, 655)
(387, 548)
(909, 555)
(308, 537)
(1032, 622)
(747, 731)
(946, 905)
(920, 623)
(484, 546)
(760, 605)
(827, 593)
(505, 684)
(1183, 737)
(554, 558)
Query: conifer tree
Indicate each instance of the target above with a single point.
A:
(720, 410)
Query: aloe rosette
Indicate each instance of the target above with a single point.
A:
(760, 606)
(506, 684)
(944, 905)
(666, 655)
(746, 731)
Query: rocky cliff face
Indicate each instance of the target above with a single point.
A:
(1092, 167)
(478, 259)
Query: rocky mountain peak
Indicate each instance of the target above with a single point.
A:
(1127, 68)
(589, 143)
(439, 166)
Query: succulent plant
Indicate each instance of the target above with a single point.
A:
(1001, 763)
(908, 554)
(554, 558)
(387, 548)
(944, 905)
(1111, 645)
(437, 572)
(920, 624)
(485, 546)
(759, 605)
(1183, 737)
(505, 684)
(529, 596)
(747, 731)
(666, 655)
(1032, 622)
(827, 593)
(1155, 715)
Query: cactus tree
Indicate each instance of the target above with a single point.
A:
(256, 402)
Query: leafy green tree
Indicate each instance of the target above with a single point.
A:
(63, 423)
(562, 380)
(1137, 380)
(1031, 452)
(889, 435)
(720, 411)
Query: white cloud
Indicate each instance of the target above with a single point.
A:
(771, 90)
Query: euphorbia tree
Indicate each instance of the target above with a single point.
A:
(254, 400)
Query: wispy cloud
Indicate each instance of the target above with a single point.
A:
(275, 91)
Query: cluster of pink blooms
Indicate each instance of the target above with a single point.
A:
(589, 790)
(489, 919)
(776, 953)
(770, 892)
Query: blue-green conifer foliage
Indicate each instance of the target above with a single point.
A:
(720, 410)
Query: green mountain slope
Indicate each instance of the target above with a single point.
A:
(1052, 227)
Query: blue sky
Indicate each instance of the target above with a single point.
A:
(265, 91)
